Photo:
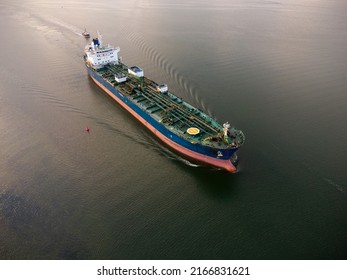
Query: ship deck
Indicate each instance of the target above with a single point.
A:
(170, 110)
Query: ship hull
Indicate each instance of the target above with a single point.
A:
(196, 152)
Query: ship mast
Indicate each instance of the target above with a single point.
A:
(100, 39)
(226, 127)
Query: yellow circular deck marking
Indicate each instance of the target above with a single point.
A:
(193, 130)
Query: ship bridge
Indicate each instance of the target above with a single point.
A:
(98, 55)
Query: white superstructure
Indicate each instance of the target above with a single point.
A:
(162, 88)
(98, 55)
(120, 78)
(136, 71)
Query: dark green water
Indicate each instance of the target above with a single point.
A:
(275, 69)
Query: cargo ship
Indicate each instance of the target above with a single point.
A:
(183, 127)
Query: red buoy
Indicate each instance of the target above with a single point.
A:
(87, 129)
